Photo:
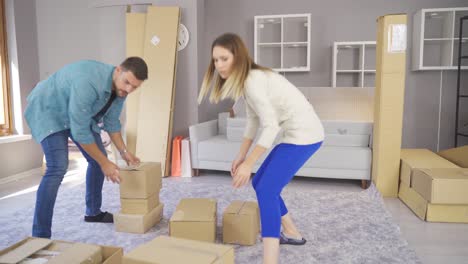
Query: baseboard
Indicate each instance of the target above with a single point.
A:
(20, 176)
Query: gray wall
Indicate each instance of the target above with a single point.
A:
(70, 30)
(341, 20)
(17, 157)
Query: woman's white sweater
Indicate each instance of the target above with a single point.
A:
(275, 104)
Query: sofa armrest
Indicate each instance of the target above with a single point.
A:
(200, 132)
(203, 131)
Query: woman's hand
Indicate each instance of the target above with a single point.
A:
(235, 164)
(242, 175)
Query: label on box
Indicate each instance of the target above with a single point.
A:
(396, 38)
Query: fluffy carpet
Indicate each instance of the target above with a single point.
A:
(341, 227)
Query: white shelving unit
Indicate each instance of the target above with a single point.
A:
(282, 42)
(435, 39)
(353, 64)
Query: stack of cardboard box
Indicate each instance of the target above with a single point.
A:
(139, 198)
(434, 188)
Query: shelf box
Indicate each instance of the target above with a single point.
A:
(349, 58)
(437, 53)
(269, 56)
(295, 29)
(458, 15)
(369, 58)
(269, 30)
(295, 57)
(438, 24)
(348, 79)
(464, 62)
(369, 79)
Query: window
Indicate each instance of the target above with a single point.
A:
(5, 113)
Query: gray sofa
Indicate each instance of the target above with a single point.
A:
(346, 153)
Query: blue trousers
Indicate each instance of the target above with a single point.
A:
(55, 149)
(274, 174)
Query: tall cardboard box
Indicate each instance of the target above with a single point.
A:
(241, 223)
(458, 155)
(139, 224)
(170, 250)
(442, 186)
(388, 103)
(68, 252)
(195, 219)
(420, 159)
(141, 183)
(449, 213)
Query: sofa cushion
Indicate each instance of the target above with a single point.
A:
(337, 133)
(219, 148)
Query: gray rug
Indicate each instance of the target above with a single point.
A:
(341, 227)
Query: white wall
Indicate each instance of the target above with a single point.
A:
(17, 157)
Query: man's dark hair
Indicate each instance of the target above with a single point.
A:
(137, 66)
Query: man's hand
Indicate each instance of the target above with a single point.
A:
(111, 171)
(242, 175)
(130, 158)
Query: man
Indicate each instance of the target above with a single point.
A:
(76, 102)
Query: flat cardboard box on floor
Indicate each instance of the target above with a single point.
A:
(142, 182)
(388, 102)
(458, 155)
(442, 186)
(194, 218)
(420, 159)
(139, 206)
(241, 223)
(448, 213)
(170, 250)
(138, 224)
(68, 252)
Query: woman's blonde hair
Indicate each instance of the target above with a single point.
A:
(233, 86)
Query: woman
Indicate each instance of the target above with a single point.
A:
(274, 103)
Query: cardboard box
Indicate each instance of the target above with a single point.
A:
(139, 206)
(420, 159)
(194, 219)
(241, 223)
(442, 186)
(458, 155)
(170, 250)
(142, 182)
(449, 213)
(139, 224)
(388, 103)
(68, 252)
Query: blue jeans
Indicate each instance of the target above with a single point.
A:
(55, 149)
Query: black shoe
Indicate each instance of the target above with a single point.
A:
(103, 217)
(291, 241)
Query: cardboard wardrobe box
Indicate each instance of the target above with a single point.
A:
(194, 218)
(420, 159)
(241, 223)
(139, 224)
(388, 102)
(458, 155)
(141, 182)
(448, 213)
(170, 250)
(139, 206)
(60, 252)
(442, 186)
